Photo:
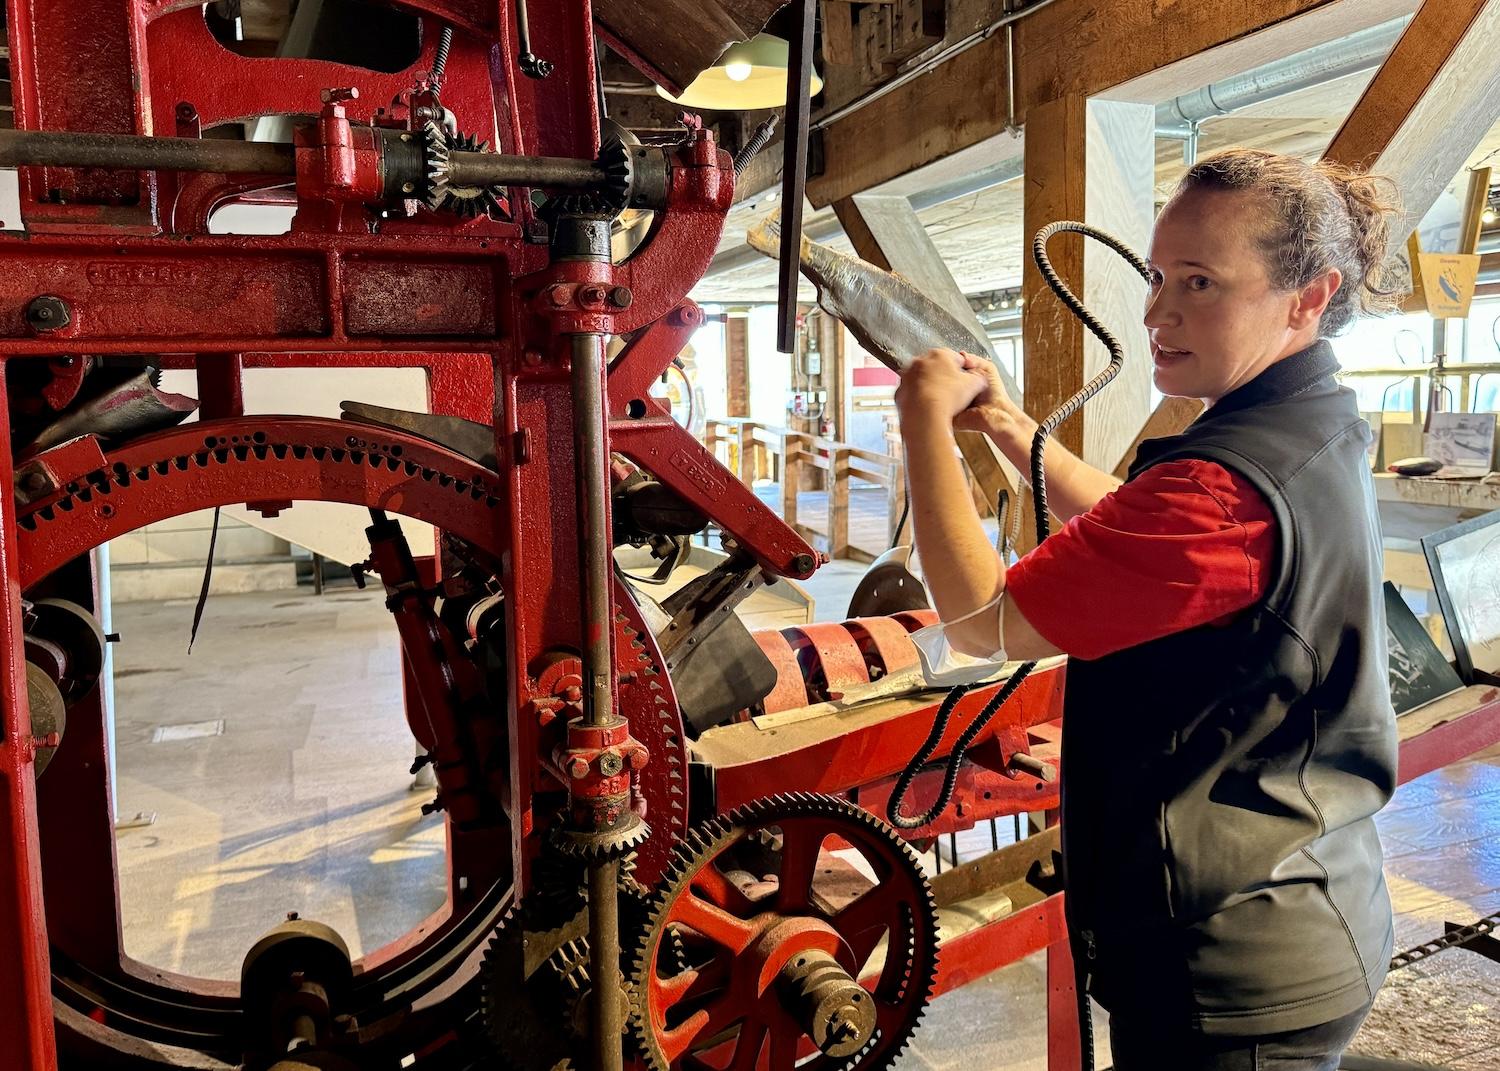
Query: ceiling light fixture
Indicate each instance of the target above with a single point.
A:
(749, 75)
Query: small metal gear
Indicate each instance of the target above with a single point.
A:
(536, 982)
(693, 986)
(598, 847)
(442, 194)
(609, 198)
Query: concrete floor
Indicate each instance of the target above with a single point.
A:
(302, 803)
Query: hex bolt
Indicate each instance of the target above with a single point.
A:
(610, 763)
(620, 297)
(638, 758)
(803, 563)
(578, 767)
(48, 313)
(558, 294)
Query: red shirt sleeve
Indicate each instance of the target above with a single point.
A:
(1186, 543)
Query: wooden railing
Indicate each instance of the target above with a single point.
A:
(761, 451)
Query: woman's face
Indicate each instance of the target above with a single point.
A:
(1215, 320)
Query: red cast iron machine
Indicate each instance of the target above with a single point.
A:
(636, 874)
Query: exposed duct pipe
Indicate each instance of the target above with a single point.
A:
(1362, 51)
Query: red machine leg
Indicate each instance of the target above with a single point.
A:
(26, 1042)
(1064, 1043)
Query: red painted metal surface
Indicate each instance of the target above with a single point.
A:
(1451, 741)
(844, 758)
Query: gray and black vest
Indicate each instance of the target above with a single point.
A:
(1223, 868)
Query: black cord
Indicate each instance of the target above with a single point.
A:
(1043, 530)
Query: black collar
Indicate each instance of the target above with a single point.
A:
(1287, 377)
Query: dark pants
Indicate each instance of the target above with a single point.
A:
(1137, 1047)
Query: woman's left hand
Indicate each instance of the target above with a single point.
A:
(938, 385)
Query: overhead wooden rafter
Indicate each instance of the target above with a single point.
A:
(1429, 105)
(1069, 48)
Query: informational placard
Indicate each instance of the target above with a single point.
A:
(1463, 442)
(1448, 283)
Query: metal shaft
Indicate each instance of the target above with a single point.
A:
(592, 458)
(493, 169)
(604, 964)
(137, 152)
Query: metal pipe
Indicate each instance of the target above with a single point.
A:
(495, 169)
(591, 456)
(1361, 51)
(137, 152)
(604, 963)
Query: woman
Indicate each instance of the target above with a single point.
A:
(1228, 732)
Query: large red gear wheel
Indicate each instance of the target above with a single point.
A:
(281, 459)
(712, 966)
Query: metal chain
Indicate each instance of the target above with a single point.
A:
(1448, 940)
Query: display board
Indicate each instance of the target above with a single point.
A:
(1465, 564)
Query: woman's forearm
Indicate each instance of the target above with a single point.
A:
(1073, 485)
(962, 570)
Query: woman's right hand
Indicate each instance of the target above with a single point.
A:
(993, 412)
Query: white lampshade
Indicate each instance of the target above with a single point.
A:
(749, 75)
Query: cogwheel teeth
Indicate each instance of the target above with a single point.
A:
(441, 194)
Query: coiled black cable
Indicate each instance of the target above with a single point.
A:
(1039, 495)
(1043, 530)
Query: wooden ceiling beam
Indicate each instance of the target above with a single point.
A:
(1429, 105)
(1075, 48)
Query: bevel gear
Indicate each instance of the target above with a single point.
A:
(442, 194)
(536, 983)
(713, 940)
(600, 847)
(610, 197)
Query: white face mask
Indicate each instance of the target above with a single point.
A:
(943, 667)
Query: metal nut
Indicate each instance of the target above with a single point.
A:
(610, 763)
(639, 756)
(559, 294)
(578, 768)
(620, 297)
(803, 563)
(48, 313)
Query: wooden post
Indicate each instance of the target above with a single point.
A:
(895, 501)
(838, 497)
(746, 432)
(737, 365)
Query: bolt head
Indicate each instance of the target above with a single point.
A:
(558, 294)
(620, 297)
(48, 313)
(803, 563)
(578, 768)
(610, 763)
(638, 758)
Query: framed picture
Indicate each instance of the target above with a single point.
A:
(1465, 564)
(1419, 672)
